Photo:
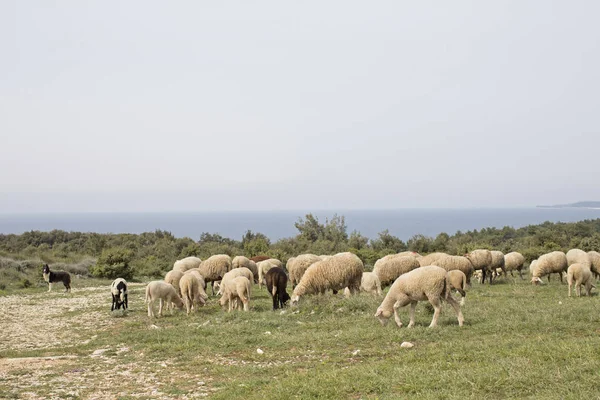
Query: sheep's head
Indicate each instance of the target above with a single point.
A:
(536, 280)
(285, 297)
(295, 299)
(383, 316)
(223, 301)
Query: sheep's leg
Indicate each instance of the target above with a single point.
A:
(396, 315)
(275, 302)
(160, 307)
(570, 284)
(413, 306)
(578, 288)
(150, 309)
(435, 302)
(456, 306)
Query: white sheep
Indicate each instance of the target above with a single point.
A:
(458, 281)
(514, 261)
(192, 292)
(298, 266)
(595, 260)
(580, 275)
(497, 264)
(369, 283)
(453, 263)
(241, 261)
(335, 273)
(390, 267)
(236, 289)
(263, 267)
(234, 273)
(425, 283)
(481, 259)
(554, 262)
(163, 292)
(214, 267)
(577, 256)
(173, 277)
(186, 263)
(430, 259)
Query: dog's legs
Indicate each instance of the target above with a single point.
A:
(49, 286)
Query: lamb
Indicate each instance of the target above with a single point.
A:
(234, 289)
(595, 260)
(263, 267)
(514, 261)
(200, 278)
(174, 277)
(340, 271)
(276, 285)
(299, 265)
(241, 261)
(425, 283)
(390, 267)
(56, 276)
(234, 273)
(452, 263)
(164, 293)
(118, 289)
(554, 262)
(214, 267)
(369, 283)
(192, 292)
(186, 264)
(497, 262)
(481, 259)
(582, 276)
(458, 281)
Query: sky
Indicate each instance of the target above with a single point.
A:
(271, 105)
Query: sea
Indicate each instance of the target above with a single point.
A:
(403, 223)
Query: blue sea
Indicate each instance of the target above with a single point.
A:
(403, 223)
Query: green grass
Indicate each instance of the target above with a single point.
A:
(519, 341)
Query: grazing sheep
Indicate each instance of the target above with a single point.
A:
(165, 293)
(340, 271)
(263, 267)
(430, 259)
(514, 261)
(241, 261)
(595, 260)
(481, 259)
(174, 277)
(554, 262)
(289, 262)
(198, 276)
(186, 264)
(118, 289)
(299, 265)
(234, 273)
(577, 256)
(56, 276)
(192, 292)
(582, 276)
(425, 283)
(276, 285)
(458, 281)
(390, 267)
(235, 289)
(497, 263)
(214, 267)
(460, 263)
(369, 283)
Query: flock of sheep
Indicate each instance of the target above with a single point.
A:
(412, 277)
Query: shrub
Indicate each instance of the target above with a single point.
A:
(114, 263)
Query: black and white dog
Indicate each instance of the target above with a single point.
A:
(119, 294)
(58, 276)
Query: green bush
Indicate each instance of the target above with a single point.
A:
(114, 263)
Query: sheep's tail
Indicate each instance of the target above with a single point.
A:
(445, 290)
(274, 290)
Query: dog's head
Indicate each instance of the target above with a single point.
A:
(46, 269)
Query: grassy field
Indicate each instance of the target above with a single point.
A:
(518, 341)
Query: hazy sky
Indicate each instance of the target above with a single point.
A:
(157, 106)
